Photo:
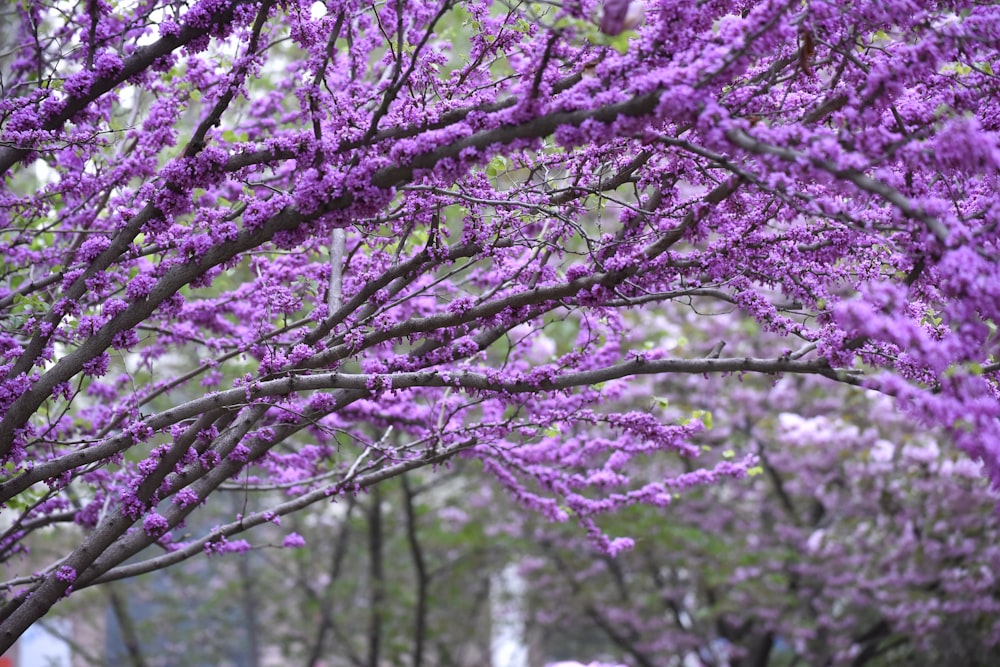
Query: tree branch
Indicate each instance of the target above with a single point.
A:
(862, 181)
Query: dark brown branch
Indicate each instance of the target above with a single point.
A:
(483, 382)
(130, 636)
(197, 140)
(540, 126)
(376, 577)
(420, 573)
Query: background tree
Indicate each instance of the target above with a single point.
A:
(368, 215)
(858, 540)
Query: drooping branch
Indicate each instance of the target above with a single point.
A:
(528, 384)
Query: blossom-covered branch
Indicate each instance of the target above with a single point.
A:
(243, 239)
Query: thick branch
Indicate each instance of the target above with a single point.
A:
(540, 126)
(483, 382)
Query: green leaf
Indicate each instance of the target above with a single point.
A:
(705, 416)
(620, 41)
(498, 165)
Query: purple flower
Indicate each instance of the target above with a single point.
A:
(293, 541)
(154, 524)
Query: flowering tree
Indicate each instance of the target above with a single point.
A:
(857, 540)
(309, 247)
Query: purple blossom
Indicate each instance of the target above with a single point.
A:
(185, 498)
(293, 541)
(154, 524)
(225, 546)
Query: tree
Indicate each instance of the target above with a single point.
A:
(858, 540)
(311, 247)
